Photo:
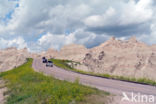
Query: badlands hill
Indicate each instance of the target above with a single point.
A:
(68, 52)
(11, 58)
(130, 58)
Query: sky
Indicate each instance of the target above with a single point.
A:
(42, 24)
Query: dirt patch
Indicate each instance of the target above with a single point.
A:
(3, 89)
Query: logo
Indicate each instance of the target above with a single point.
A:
(138, 98)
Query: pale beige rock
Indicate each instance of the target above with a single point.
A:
(153, 47)
(129, 58)
(50, 53)
(123, 58)
(73, 52)
(69, 52)
(12, 57)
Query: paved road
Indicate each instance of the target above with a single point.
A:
(112, 86)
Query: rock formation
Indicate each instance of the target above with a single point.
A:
(50, 53)
(129, 58)
(11, 58)
(73, 52)
(69, 52)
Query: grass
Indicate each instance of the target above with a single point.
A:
(64, 64)
(28, 87)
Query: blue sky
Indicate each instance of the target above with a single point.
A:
(54, 23)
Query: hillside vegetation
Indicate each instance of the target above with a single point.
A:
(28, 87)
(68, 65)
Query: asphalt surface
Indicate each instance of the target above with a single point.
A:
(109, 85)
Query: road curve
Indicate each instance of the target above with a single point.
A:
(112, 86)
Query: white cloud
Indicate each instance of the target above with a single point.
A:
(134, 13)
(17, 42)
(57, 41)
(5, 7)
(53, 41)
(101, 20)
(88, 22)
(126, 14)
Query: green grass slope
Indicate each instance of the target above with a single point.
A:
(28, 87)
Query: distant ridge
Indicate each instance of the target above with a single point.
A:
(130, 58)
